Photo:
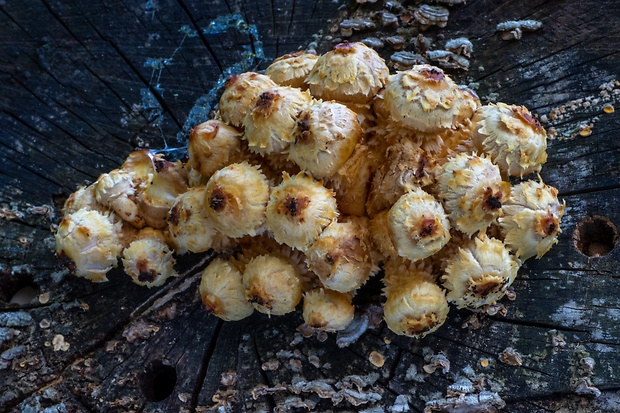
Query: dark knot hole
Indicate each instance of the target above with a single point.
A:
(157, 380)
(595, 236)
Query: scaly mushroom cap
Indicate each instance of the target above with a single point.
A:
(272, 285)
(381, 235)
(427, 100)
(195, 178)
(513, 138)
(190, 229)
(116, 191)
(473, 192)
(325, 137)
(141, 165)
(271, 121)
(350, 182)
(264, 244)
(87, 242)
(292, 69)
(415, 305)
(531, 221)
(236, 198)
(328, 310)
(240, 93)
(84, 197)
(299, 209)
(213, 145)
(418, 225)
(343, 257)
(351, 72)
(406, 167)
(159, 194)
(148, 260)
(222, 291)
(479, 273)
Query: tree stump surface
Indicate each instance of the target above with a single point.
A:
(85, 83)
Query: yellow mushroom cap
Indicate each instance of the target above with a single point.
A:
(406, 167)
(513, 138)
(351, 72)
(190, 229)
(342, 256)
(479, 273)
(272, 285)
(427, 100)
(328, 310)
(84, 197)
(222, 291)
(418, 225)
(116, 190)
(350, 182)
(213, 145)
(88, 241)
(160, 192)
(415, 305)
(148, 259)
(473, 192)
(299, 209)
(381, 235)
(240, 93)
(325, 137)
(236, 198)
(141, 165)
(271, 121)
(291, 69)
(531, 221)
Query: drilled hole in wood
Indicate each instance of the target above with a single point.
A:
(17, 288)
(157, 381)
(595, 236)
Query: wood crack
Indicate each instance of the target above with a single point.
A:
(201, 35)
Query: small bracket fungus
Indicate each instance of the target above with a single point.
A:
(351, 72)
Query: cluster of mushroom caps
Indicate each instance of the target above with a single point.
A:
(317, 173)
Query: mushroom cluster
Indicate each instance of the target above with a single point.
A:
(313, 176)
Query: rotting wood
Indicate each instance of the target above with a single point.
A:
(82, 84)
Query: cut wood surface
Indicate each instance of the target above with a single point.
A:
(82, 84)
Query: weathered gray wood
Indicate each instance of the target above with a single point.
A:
(83, 83)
